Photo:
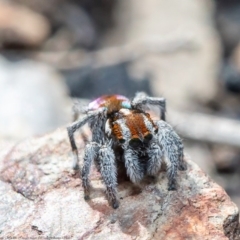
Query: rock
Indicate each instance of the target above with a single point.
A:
(33, 99)
(71, 25)
(75, 23)
(21, 26)
(77, 29)
(226, 159)
(40, 197)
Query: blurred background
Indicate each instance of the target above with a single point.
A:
(187, 51)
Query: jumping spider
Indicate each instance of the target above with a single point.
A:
(116, 122)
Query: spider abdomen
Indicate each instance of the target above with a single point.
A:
(135, 127)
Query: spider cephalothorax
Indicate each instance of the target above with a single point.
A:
(116, 122)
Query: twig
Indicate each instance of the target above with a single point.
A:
(203, 127)
(113, 55)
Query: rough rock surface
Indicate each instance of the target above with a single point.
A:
(40, 197)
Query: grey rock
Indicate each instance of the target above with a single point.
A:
(42, 197)
(33, 99)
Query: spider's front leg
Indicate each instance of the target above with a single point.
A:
(89, 117)
(133, 167)
(141, 99)
(155, 159)
(90, 154)
(71, 130)
(108, 171)
(172, 148)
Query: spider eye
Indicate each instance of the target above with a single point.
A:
(148, 138)
(122, 140)
(135, 142)
(156, 131)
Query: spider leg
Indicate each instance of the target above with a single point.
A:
(109, 173)
(172, 148)
(79, 107)
(77, 110)
(142, 99)
(90, 154)
(91, 115)
(71, 130)
(155, 159)
(182, 164)
(133, 167)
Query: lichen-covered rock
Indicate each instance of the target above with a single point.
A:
(41, 197)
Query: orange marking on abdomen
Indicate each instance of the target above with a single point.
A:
(117, 131)
(136, 125)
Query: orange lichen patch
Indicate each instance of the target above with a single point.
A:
(193, 219)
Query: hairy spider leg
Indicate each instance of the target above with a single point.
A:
(142, 99)
(91, 116)
(91, 152)
(154, 151)
(77, 109)
(108, 171)
(182, 164)
(155, 159)
(134, 170)
(172, 148)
